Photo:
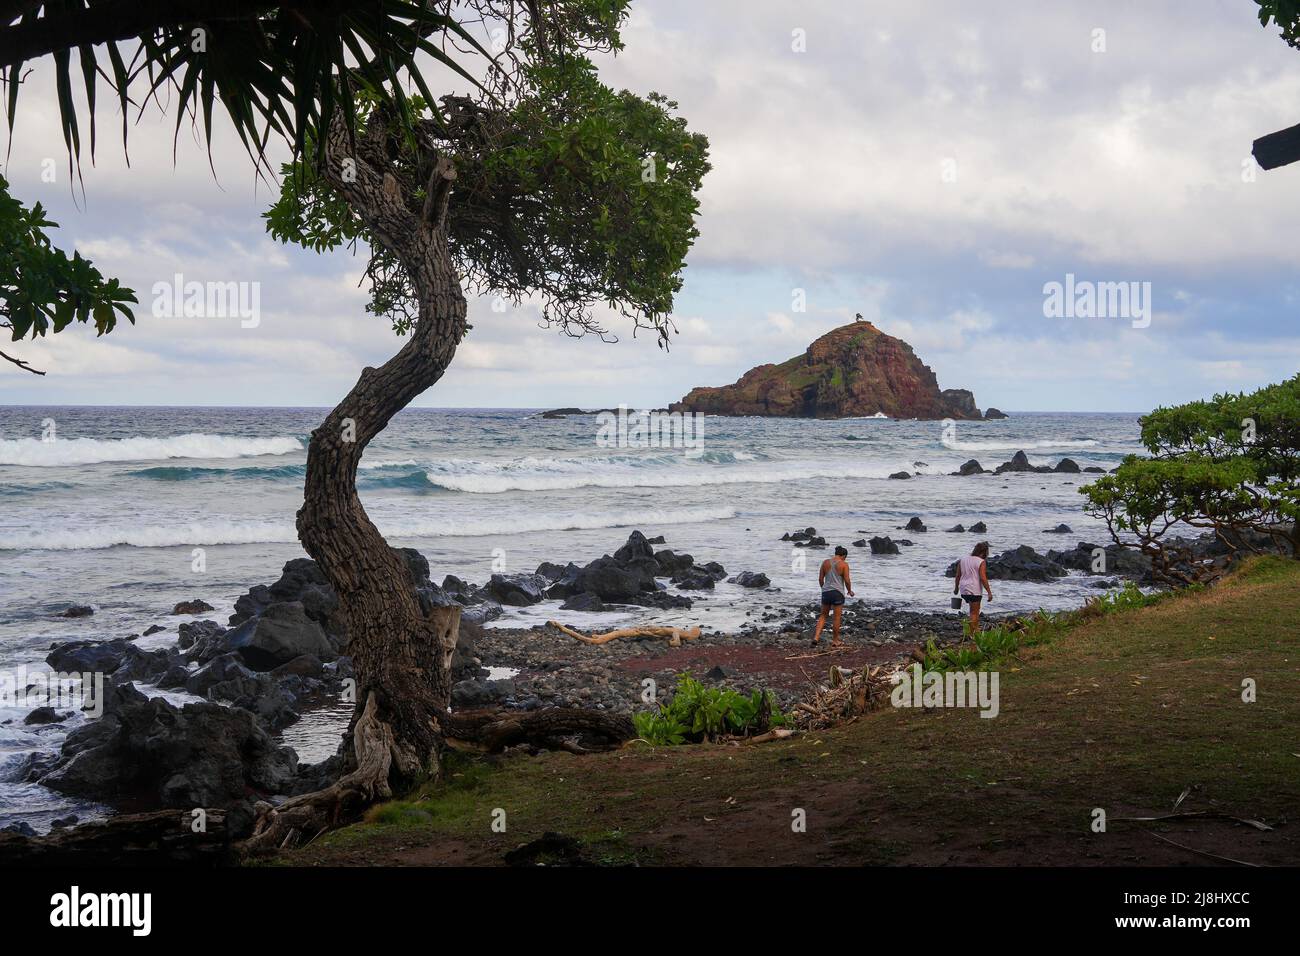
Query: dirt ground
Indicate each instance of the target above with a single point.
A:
(1124, 714)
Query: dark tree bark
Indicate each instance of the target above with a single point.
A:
(401, 653)
(402, 656)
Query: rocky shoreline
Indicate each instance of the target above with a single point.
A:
(283, 654)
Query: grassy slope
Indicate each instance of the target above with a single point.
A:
(1122, 712)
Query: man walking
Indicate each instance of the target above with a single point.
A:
(835, 583)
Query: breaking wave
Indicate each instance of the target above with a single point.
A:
(218, 532)
(34, 453)
(1020, 445)
(179, 473)
(658, 471)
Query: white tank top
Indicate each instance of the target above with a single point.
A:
(968, 570)
(833, 580)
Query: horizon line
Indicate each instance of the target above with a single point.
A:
(543, 408)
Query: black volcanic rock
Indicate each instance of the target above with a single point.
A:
(1019, 564)
(883, 545)
(1019, 462)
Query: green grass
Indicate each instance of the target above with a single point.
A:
(995, 645)
(1123, 706)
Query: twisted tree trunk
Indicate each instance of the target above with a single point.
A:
(402, 656)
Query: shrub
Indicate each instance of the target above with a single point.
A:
(696, 713)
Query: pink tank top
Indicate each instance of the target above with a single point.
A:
(968, 571)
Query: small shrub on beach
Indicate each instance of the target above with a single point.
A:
(697, 713)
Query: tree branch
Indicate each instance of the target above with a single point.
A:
(438, 192)
(21, 364)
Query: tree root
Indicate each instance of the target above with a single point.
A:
(675, 635)
(376, 752)
(305, 817)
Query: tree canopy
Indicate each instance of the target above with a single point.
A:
(1286, 14)
(276, 69)
(42, 290)
(573, 193)
(280, 71)
(1230, 464)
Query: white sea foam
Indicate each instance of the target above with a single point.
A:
(234, 532)
(661, 471)
(1019, 445)
(371, 465)
(34, 453)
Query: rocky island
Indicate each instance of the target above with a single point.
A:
(850, 372)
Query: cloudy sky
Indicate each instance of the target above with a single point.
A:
(930, 165)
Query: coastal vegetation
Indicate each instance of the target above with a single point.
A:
(1125, 709)
(696, 713)
(996, 644)
(1230, 465)
(42, 289)
(274, 69)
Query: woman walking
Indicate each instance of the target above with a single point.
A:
(972, 575)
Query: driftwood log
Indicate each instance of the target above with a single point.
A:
(674, 635)
(574, 729)
(845, 696)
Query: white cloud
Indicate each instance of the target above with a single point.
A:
(715, 355)
(827, 176)
(1006, 260)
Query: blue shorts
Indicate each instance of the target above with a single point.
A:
(972, 598)
(832, 598)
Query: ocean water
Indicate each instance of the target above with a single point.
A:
(114, 507)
